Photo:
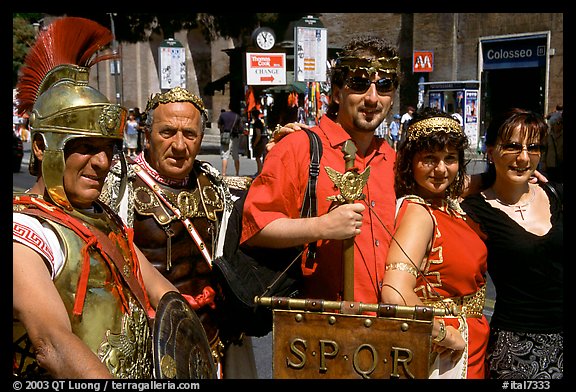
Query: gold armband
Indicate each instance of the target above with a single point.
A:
(403, 267)
(441, 334)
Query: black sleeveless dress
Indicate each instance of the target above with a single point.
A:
(527, 270)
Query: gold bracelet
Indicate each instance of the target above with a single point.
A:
(441, 334)
(403, 267)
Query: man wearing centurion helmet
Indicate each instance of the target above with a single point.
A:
(83, 293)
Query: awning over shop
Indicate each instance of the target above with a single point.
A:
(299, 87)
(217, 85)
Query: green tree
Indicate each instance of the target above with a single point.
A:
(136, 27)
(23, 35)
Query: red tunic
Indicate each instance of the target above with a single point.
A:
(456, 266)
(278, 192)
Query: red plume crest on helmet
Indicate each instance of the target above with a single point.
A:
(67, 40)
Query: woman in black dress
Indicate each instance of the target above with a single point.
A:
(522, 225)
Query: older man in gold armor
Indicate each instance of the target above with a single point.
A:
(178, 207)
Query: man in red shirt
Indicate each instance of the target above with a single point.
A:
(364, 81)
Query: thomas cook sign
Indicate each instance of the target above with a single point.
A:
(266, 68)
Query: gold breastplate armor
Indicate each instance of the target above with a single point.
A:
(202, 205)
(146, 202)
(163, 238)
(127, 354)
(203, 200)
(120, 337)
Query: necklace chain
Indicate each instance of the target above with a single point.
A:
(521, 208)
(532, 197)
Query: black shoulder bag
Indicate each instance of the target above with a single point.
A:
(244, 273)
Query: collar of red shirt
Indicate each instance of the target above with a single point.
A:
(336, 136)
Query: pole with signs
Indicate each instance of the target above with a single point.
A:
(172, 56)
(310, 50)
(115, 62)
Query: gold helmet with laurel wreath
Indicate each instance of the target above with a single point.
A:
(53, 88)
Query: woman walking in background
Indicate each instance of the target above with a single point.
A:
(131, 135)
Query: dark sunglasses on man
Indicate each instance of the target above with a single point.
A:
(360, 84)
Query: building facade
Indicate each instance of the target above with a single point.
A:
(490, 60)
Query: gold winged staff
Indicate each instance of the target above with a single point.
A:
(350, 183)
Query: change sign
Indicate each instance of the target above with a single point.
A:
(266, 68)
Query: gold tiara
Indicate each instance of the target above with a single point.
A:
(370, 65)
(433, 124)
(177, 94)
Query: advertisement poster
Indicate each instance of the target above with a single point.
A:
(471, 106)
(460, 100)
(436, 100)
(471, 121)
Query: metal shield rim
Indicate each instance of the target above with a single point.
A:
(173, 301)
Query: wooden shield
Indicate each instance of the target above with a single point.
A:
(322, 345)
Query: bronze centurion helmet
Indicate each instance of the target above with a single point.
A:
(54, 88)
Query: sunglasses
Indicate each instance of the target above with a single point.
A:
(359, 84)
(517, 148)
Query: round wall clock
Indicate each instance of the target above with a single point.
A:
(264, 38)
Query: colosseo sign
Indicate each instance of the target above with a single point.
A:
(514, 52)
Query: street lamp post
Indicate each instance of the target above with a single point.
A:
(116, 61)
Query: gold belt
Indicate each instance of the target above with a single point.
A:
(468, 305)
(217, 348)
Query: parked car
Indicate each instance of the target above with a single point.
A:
(17, 153)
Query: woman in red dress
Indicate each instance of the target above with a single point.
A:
(436, 259)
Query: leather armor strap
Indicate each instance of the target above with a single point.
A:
(94, 237)
(187, 223)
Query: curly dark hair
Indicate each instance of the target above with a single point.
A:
(404, 182)
(364, 46)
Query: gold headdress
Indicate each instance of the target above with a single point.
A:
(177, 94)
(54, 87)
(430, 125)
(370, 65)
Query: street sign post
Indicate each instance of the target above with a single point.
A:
(310, 50)
(172, 64)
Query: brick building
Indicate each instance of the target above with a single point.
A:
(492, 60)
